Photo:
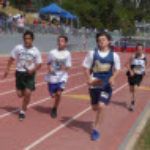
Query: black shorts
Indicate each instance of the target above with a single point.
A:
(135, 80)
(99, 95)
(24, 80)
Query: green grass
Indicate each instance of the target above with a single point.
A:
(144, 141)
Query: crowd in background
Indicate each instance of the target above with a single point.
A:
(11, 24)
(17, 24)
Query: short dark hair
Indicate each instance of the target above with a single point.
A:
(107, 35)
(64, 37)
(139, 44)
(29, 33)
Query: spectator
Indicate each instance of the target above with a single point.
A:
(124, 45)
(35, 22)
(58, 28)
(112, 45)
(95, 30)
(4, 4)
(20, 24)
(2, 24)
(67, 30)
(137, 42)
(9, 23)
(7, 3)
(14, 24)
(85, 40)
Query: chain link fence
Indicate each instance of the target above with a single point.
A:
(46, 37)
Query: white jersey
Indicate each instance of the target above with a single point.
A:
(26, 58)
(55, 59)
(138, 64)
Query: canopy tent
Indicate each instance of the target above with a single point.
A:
(68, 15)
(52, 9)
(56, 10)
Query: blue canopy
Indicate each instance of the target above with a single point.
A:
(68, 15)
(52, 9)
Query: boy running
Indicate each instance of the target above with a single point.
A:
(101, 68)
(28, 61)
(136, 71)
(58, 62)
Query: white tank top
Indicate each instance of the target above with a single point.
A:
(138, 64)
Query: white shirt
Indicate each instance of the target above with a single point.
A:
(88, 61)
(26, 58)
(20, 22)
(55, 59)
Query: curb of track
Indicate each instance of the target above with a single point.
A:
(136, 130)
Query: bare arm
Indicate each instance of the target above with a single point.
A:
(10, 62)
(88, 75)
(115, 75)
(117, 67)
(128, 66)
(146, 64)
(37, 67)
(113, 78)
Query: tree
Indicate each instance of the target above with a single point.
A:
(110, 14)
(93, 13)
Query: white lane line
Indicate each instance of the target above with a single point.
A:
(40, 101)
(38, 84)
(50, 133)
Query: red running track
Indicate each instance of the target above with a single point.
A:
(72, 128)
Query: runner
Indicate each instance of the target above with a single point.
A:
(28, 61)
(136, 71)
(99, 65)
(59, 61)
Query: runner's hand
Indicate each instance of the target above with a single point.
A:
(30, 72)
(131, 73)
(5, 74)
(90, 81)
(51, 70)
(112, 81)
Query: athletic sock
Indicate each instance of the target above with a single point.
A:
(22, 112)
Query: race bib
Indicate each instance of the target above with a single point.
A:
(138, 69)
(63, 85)
(105, 95)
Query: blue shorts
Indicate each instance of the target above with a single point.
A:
(99, 95)
(53, 88)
